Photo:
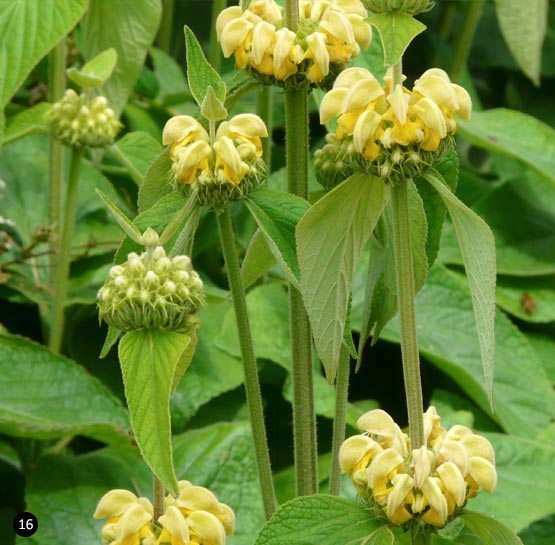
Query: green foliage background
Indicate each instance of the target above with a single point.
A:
(63, 423)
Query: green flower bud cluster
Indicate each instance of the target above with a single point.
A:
(214, 194)
(79, 121)
(338, 160)
(152, 291)
(412, 7)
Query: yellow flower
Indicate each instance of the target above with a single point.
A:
(246, 128)
(286, 54)
(129, 518)
(175, 530)
(400, 496)
(318, 52)
(205, 529)
(381, 471)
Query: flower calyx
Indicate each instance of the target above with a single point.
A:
(329, 34)
(152, 291)
(425, 486)
(79, 121)
(221, 169)
(388, 130)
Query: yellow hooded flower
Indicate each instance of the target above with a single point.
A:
(400, 496)
(355, 455)
(246, 128)
(286, 54)
(205, 529)
(317, 51)
(175, 530)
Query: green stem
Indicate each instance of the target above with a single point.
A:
(166, 26)
(404, 273)
(465, 37)
(292, 14)
(252, 385)
(264, 111)
(64, 255)
(56, 87)
(157, 498)
(215, 51)
(304, 420)
(341, 398)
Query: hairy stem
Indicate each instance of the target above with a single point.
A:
(215, 51)
(404, 274)
(252, 385)
(264, 111)
(64, 255)
(157, 498)
(465, 37)
(304, 420)
(56, 87)
(341, 398)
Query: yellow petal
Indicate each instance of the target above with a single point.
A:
(194, 498)
(365, 127)
(458, 431)
(453, 451)
(227, 517)
(174, 522)
(336, 24)
(352, 6)
(436, 72)
(476, 445)
(350, 76)
(402, 486)
(354, 449)
(432, 426)
(114, 503)
(465, 102)
(439, 90)
(382, 465)
(179, 127)
(225, 17)
(268, 10)
(428, 111)
(421, 465)
(431, 489)
(282, 49)
(483, 472)
(361, 94)
(453, 481)
(399, 102)
(318, 51)
(133, 520)
(191, 155)
(362, 30)
(247, 125)
(331, 105)
(263, 38)
(207, 527)
(233, 35)
(377, 422)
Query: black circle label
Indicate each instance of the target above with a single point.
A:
(25, 524)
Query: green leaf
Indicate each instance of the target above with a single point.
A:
(137, 150)
(515, 134)
(178, 221)
(523, 25)
(258, 259)
(212, 108)
(212, 372)
(530, 299)
(397, 30)
(170, 76)
(96, 72)
(221, 458)
(28, 30)
(489, 530)
(148, 361)
(156, 182)
(33, 120)
(526, 477)
(322, 519)
(200, 73)
(124, 222)
(127, 26)
(478, 252)
(277, 215)
(329, 245)
(447, 338)
(43, 395)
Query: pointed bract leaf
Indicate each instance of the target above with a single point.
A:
(478, 251)
(277, 215)
(489, 530)
(96, 71)
(200, 72)
(212, 108)
(322, 520)
(112, 337)
(124, 222)
(258, 259)
(397, 30)
(330, 239)
(149, 359)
